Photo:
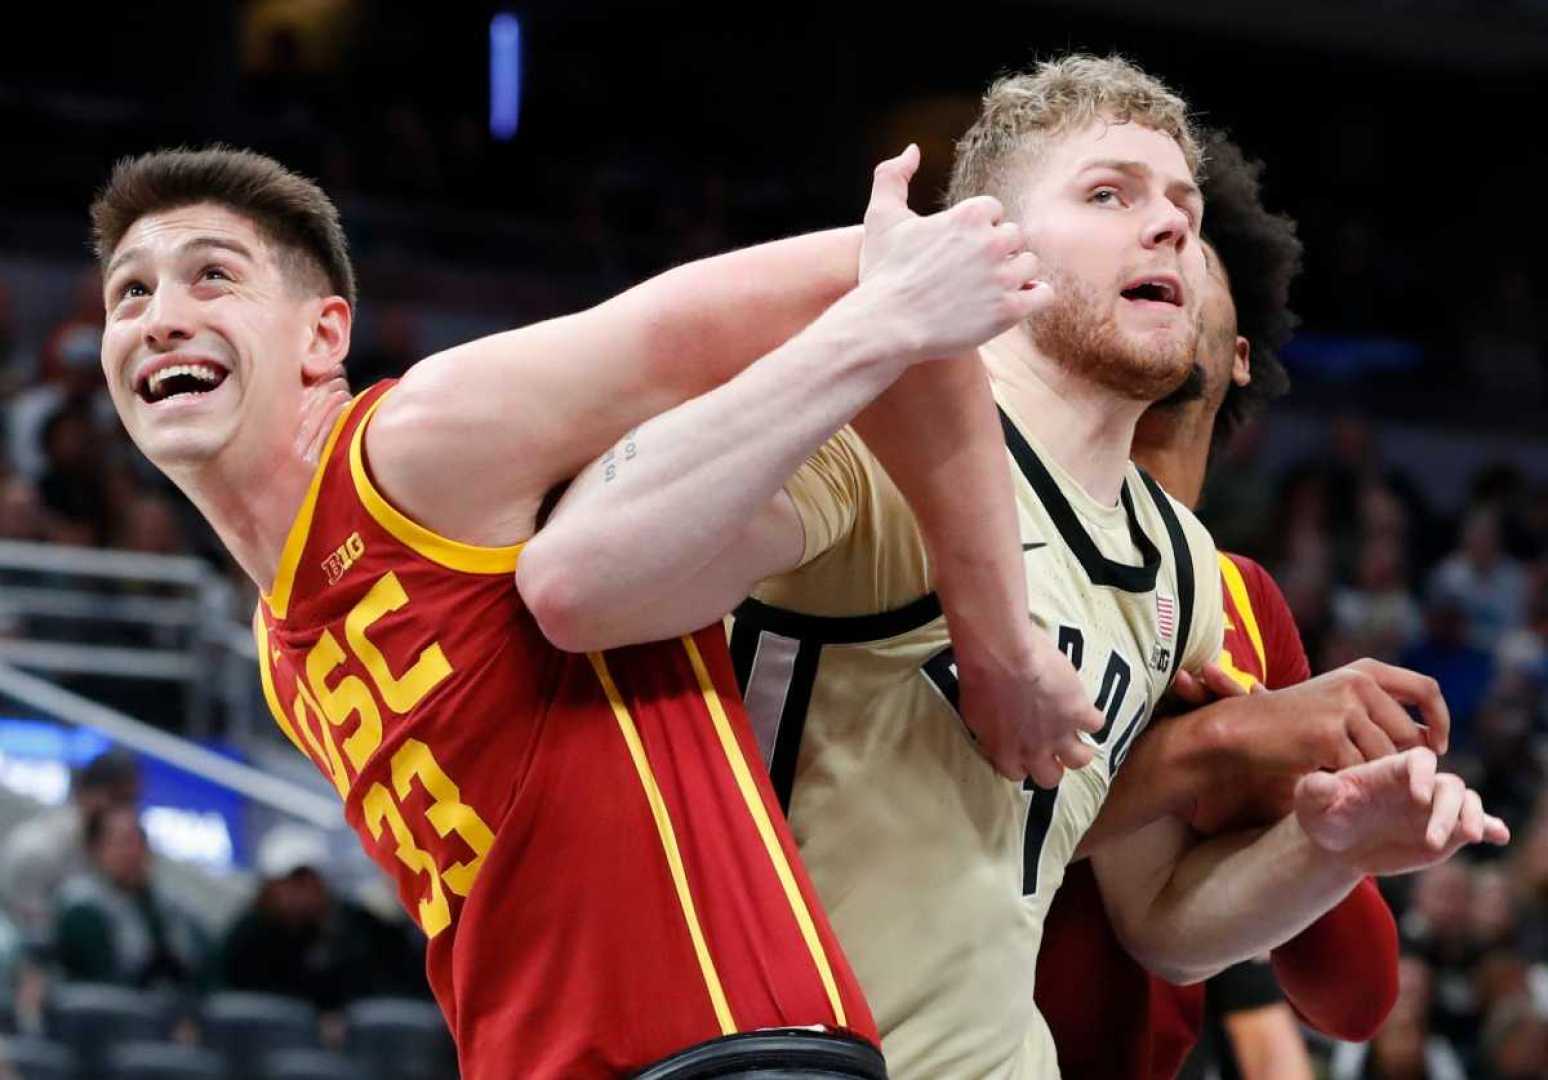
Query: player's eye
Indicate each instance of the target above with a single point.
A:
(214, 273)
(1105, 196)
(131, 289)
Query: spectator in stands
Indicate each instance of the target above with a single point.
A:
(1493, 910)
(1515, 1042)
(300, 939)
(112, 923)
(1529, 868)
(79, 494)
(69, 365)
(42, 852)
(1488, 582)
(1512, 768)
(1446, 654)
(1379, 612)
(1405, 1048)
(1438, 929)
(1523, 653)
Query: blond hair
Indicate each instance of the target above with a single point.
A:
(1023, 113)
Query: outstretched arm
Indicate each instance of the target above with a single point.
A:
(514, 414)
(1188, 910)
(672, 528)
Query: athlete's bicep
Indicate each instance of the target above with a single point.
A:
(512, 414)
(509, 416)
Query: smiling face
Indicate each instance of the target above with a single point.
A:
(1113, 214)
(210, 337)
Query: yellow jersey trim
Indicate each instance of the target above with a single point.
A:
(1231, 574)
(452, 554)
(266, 676)
(760, 816)
(668, 834)
(295, 541)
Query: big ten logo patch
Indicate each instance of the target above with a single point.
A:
(346, 555)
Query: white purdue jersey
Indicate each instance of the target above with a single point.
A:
(937, 871)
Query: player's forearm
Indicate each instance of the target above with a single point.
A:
(638, 533)
(1162, 776)
(1232, 898)
(938, 434)
(713, 317)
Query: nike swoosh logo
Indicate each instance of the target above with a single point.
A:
(1033, 546)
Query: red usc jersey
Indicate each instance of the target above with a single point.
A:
(1125, 1022)
(600, 867)
(1262, 643)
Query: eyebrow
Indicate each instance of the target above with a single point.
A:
(197, 243)
(1177, 190)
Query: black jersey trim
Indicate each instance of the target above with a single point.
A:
(1184, 557)
(1099, 568)
(839, 629)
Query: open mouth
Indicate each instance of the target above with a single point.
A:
(1156, 290)
(180, 381)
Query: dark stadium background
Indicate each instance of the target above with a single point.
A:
(1405, 136)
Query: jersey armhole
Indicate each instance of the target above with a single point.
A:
(452, 554)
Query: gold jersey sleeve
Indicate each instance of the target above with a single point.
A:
(863, 551)
(935, 870)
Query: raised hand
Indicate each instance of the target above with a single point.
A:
(1394, 815)
(943, 283)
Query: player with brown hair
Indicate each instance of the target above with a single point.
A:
(587, 840)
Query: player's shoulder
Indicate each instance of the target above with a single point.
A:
(1260, 584)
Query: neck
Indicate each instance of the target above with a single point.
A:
(1172, 445)
(1085, 426)
(251, 501)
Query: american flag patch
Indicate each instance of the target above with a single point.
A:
(1166, 616)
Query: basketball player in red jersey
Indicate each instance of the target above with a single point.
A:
(1234, 764)
(586, 840)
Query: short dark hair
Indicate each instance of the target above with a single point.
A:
(290, 212)
(110, 770)
(1262, 256)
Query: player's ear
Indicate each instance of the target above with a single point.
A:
(1241, 363)
(327, 341)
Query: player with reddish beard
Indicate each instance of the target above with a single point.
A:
(1234, 764)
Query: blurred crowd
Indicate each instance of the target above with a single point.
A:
(1372, 567)
(81, 901)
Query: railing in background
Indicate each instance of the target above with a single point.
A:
(275, 793)
(131, 617)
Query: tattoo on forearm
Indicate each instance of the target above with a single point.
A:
(627, 450)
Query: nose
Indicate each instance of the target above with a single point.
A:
(1168, 225)
(168, 318)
